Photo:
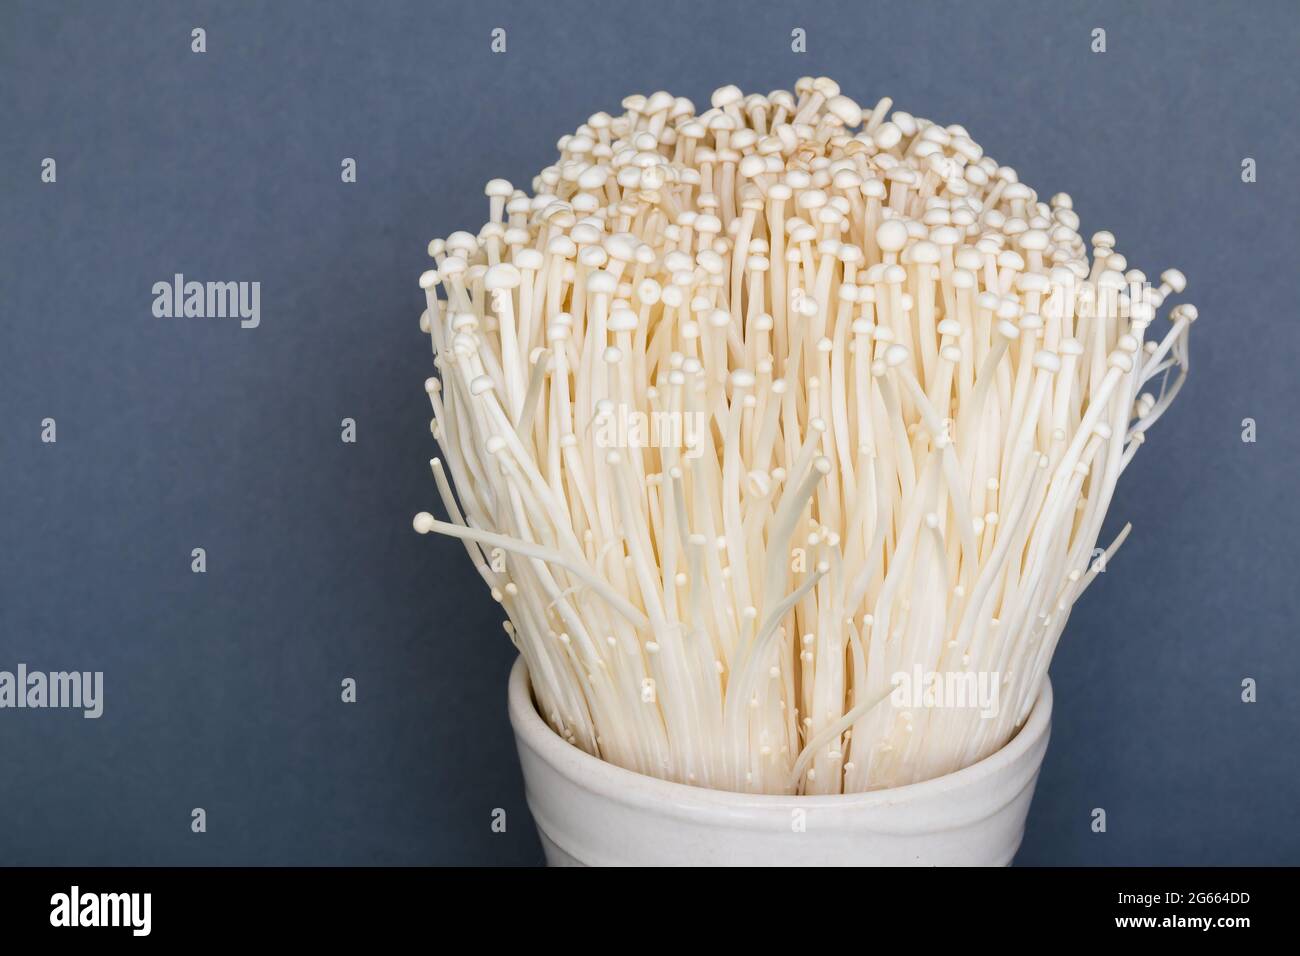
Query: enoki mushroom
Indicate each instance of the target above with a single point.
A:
(750, 413)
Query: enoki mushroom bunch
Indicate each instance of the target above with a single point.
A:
(754, 413)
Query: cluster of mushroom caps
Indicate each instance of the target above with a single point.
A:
(752, 413)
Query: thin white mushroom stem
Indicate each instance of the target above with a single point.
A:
(425, 522)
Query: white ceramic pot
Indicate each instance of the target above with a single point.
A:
(592, 813)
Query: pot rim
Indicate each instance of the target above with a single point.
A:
(628, 786)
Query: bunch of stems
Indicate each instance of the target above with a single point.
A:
(749, 412)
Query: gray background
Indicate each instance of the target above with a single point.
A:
(222, 690)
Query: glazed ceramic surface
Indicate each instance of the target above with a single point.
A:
(592, 813)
